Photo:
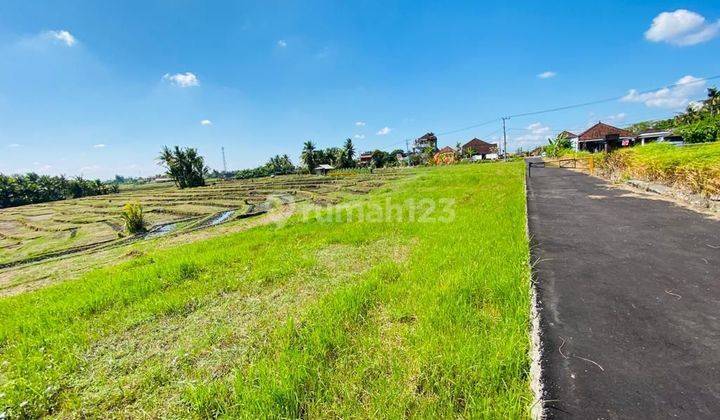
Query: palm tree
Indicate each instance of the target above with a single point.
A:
(349, 153)
(185, 166)
(308, 155)
(713, 100)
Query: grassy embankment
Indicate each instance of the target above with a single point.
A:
(694, 168)
(315, 318)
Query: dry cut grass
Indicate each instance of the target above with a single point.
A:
(695, 168)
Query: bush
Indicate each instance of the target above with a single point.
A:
(132, 215)
(702, 131)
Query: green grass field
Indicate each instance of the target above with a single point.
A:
(418, 308)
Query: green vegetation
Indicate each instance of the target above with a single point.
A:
(327, 316)
(700, 123)
(558, 147)
(338, 157)
(695, 168)
(703, 130)
(184, 166)
(18, 190)
(132, 215)
(277, 165)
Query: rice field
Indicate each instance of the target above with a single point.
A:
(399, 295)
(46, 230)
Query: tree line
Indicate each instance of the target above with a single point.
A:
(344, 157)
(31, 188)
(699, 123)
(338, 157)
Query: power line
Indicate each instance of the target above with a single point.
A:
(615, 98)
(469, 127)
(564, 108)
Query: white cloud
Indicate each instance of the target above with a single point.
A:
(359, 136)
(182, 79)
(547, 75)
(676, 96)
(205, 122)
(40, 167)
(360, 123)
(535, 133)
(538, 128)
(681, 27)
(13, 145)
(282, 43)
(384, 131)
(64, 37)
(619, 117)
(91, 168)
(99, 145)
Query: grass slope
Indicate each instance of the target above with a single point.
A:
(692, 167)
(317, 318)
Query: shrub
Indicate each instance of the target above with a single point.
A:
(132, 215)
(702, 131)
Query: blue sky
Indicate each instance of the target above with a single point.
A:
(96, 88)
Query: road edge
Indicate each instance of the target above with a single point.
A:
(537, 409)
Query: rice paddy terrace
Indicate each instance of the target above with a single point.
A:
(36, 232)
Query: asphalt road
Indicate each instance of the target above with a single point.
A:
(629, 295)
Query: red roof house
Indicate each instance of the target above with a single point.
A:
(604, 137)
(478, 147)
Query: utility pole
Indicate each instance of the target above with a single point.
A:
(407, 146)
(224, 163)
(504, 139)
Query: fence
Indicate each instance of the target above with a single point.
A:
(583, 164)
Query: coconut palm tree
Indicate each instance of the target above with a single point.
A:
(308, 155)
(349, 150)
(185, 166)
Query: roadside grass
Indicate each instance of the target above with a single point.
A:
(326, 316)
(693, 167)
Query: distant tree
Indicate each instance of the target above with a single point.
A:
(380, 158)
(348, 155)
(308, 155)
(349, 149)
(18, 190)
(280, 165)
(185, 166)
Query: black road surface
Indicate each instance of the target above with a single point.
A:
(629, 296)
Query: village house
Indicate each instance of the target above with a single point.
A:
(323, 169)
(365, 158)
(445, 156)
(480, 150)
(656, 135)
(603, 137)
(427, 140)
